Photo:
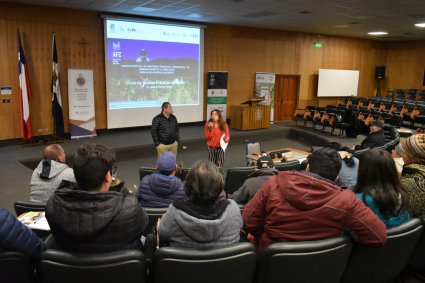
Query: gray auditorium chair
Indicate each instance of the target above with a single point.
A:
(153, 215)
(16, 267)
(305, 262)
(127, 266)
(144, 171)
(235, 177)
(416, 264)
(235, 264)
(381, 264)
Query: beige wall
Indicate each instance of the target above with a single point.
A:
(239, 50)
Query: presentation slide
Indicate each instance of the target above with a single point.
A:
(148, 63)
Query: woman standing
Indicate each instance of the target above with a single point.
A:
(379, 187)
(214, 130)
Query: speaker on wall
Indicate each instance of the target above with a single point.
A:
(380, 73)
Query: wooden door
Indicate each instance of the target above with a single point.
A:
(285, 97)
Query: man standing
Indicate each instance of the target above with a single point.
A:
(50, 172)
(165, 130)
(304, 206)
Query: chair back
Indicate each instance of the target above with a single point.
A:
(182, 173)
(235, 177)
(309, 261)
(26, 206)
(144, 171)
(16, 267)
(153, 215)
(287, 165)
(120, 266)
(235, 263)
(382, 264)
(417, 259)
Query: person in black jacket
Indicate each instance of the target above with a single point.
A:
(255, 180)
(375, 138)
(165, 130)
(86, 217)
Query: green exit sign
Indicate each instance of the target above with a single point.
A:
(317, 44)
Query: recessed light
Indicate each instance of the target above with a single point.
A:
(377, 33)
(421, 25)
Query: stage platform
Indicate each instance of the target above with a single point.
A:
(135, 148)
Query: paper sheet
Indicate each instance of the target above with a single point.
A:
(223, 144)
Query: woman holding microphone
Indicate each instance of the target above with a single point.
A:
(215, 130)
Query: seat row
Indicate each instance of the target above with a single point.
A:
(234, 177)
(331, 260)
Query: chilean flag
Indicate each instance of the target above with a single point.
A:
(24, 84)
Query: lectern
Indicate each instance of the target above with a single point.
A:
(250, 115)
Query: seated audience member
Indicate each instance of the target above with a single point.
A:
(379, 187)
(265, 169)
(413, 175)
(375, 138)
(347, 176)
(206, 220)
(305, 206)
(87, 217)
(161, 189)
(15, 236)
(49, 173)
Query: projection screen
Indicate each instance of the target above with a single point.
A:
(148, 63)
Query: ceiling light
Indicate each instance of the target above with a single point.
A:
(421, 25)
(377, 33)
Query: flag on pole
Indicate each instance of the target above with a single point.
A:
(57, 112)
(25, 91)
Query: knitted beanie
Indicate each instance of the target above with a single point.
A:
(414, 148)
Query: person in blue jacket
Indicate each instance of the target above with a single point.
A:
(162, 188)
(15, 236)
(379, 187)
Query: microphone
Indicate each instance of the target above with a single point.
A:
(210, 126)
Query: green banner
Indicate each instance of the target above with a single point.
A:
(217, 99)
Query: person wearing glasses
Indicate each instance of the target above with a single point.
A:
(88, 217)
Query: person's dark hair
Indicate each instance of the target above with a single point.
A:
(204, 183)
(91, 163)
(378, 176)
(164, 105)
(338, 147)
(221, 122)
(52, 152)
(325, 162)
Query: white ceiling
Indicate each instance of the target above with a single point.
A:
(352, 18)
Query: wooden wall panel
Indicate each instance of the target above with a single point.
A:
(405, 65)
(241, 51)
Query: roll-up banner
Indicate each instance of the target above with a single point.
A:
(82, 119)
(217, 92)
(264, 87)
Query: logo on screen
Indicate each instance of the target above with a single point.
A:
(116, 46)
